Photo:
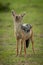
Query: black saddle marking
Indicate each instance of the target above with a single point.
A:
(26, 28)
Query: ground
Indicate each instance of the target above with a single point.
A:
(34, 16)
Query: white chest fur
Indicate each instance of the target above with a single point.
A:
(17, 27)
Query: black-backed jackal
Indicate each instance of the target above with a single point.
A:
(23, 32)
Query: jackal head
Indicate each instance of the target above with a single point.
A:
(18, 18)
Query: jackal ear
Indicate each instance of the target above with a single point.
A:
(23, 14)
(13, 13)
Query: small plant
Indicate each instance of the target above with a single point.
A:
(4, 6)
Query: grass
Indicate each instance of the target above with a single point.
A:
(34, 16)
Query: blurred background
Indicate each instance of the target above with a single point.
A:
(34, 16)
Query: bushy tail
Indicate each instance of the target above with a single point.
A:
(27, 43)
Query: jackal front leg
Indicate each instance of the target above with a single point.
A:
(21, 45)
(17, 44)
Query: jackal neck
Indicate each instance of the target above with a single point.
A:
(17, 26)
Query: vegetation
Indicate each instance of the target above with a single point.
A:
(34, 16)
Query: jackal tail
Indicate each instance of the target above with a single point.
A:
(27, 43)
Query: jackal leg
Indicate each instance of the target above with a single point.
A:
(25, 47)
(32, 43)
(21, 44)
(17, 42)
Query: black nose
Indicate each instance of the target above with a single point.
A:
(17, 17)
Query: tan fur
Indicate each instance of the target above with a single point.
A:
(20, 34)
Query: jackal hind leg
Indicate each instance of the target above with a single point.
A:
(24, 47)
(32, 43)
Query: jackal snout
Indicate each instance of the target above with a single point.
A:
(17, 18)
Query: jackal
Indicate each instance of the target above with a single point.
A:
(23, 32)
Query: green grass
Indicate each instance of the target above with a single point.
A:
(34, 16)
